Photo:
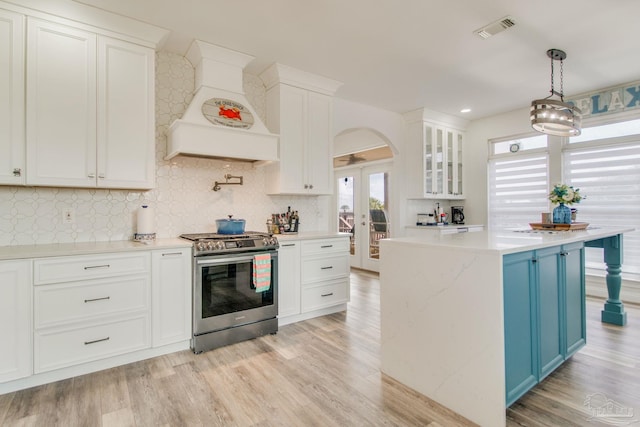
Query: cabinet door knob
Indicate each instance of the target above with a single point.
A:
(310, 186)
(17, 172)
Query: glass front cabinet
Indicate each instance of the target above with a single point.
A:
(434, 160)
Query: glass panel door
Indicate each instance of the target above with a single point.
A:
(376, 193)
(346, 207)
(362, 201)
(439, 161)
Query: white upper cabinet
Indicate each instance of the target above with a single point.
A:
(90, 109)
(434, 158)
(126, 115)
(11, 98)
(299, 108)
(61, 105)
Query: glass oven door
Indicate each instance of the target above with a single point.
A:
(225, 295)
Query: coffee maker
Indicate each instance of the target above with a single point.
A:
(457, 214)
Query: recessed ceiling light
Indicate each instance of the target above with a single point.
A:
(465, 110)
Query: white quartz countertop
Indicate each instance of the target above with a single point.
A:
(86, 248)
(309, 235)
(507, 241)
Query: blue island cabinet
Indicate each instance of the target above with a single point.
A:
(544, 313)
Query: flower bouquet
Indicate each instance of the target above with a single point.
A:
(563, 194)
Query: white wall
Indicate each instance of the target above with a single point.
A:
(476, 155)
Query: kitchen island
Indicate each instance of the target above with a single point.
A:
(474, 320)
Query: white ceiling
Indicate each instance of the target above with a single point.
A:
(407, 54)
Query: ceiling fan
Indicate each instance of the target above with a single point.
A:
(353, 159)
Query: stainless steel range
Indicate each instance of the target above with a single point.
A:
(235, 288)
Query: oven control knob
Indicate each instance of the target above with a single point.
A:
(219, 245)
(201, 246)
(209, 246)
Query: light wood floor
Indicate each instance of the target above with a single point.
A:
(321, 372)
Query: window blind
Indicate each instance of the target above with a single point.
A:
(518, 188)
(609, 177)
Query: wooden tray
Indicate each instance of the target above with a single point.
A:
(559, 227)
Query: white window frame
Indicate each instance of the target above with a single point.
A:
(520, 155)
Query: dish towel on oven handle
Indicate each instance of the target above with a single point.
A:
(262, 272)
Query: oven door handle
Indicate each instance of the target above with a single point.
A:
(235, 260)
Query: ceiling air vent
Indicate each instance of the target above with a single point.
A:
(495, 27)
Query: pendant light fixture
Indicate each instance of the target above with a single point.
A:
(552, 116)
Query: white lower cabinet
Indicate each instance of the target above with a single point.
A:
(171, 295)
(288, 278)
(324, 295)
(90, 307)
(15, 320)
(313, 278)
(59, 348)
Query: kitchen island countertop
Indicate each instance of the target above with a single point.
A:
(442, 313)
(510, 241)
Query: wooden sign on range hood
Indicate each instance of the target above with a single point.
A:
(236, 133)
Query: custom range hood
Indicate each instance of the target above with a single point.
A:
(220, 122)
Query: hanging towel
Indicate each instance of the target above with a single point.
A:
(262, 272)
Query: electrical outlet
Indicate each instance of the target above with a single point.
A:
(69, 216)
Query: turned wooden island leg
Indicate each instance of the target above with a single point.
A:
(614, 308)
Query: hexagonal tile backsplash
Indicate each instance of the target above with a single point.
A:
(183, 200)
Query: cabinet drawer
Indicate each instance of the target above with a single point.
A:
(61, 348)
(72, 268)
(317, 269)
(63, 303)
(325, 246)
(317, 297)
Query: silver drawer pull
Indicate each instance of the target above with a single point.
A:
(96, 299)
(288, 244)
(326, 268)
(172, 253)
(95, 341)
(327, 295)
(326, 246)
(91, 267)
